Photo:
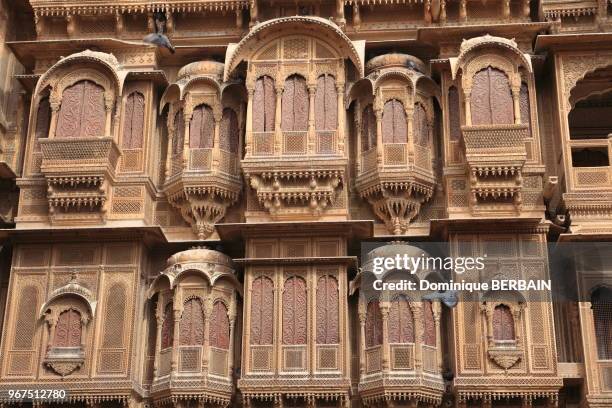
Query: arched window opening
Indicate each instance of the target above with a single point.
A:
(601, 303)
(326, 103)
(454, 115)
(82, 112)
(264, 105)
(202, 128)
(429, 325)
(421, 126)
(400, 323)
(43, 119)
(368, 128)
(373, 324)
(133, 122)
(262, 311)
(491, 98)
(525, 105)
(68, 329)
(167, 334)
(219, 326)
(294, 311)
(295, 104)
(394, 124)
(229, 132)
(191, 327)
(503, 324)
(327, 310)
(178, 139)
(591, 119)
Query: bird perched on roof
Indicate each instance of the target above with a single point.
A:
(449, 297)
(158, 38)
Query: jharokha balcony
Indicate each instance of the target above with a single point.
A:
(202, 175)
(395, 127)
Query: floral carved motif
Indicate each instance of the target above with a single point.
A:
(401, 322)
(82, 112)
(191, 327)
(262, 311)
(219, 326)
(491, 98)
(133, 125)
(327, 310)
(373, 324)
(294, 311)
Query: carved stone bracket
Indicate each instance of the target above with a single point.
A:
(64, 361)
(505, 358)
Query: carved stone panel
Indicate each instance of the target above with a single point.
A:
(133, 122)
(82, 112)
(525, 107)
(294, 311)
(179, 132)
(326, 104)
(368, 128)
(219, 326)
(327, 310)
(373, 324)
(229, 131)
(503, 323)
(202, 128)
(264, 105)
(262, 311)
(27, 318)
(491, 98)
(429, 326)
(68, 329)
(401, 322)
(421, 126)
(191, 327)
(295, 104)
(167, 332)
(394, 126)
(114, 316)
(454, 115)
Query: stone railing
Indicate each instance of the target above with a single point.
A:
(598, 177)
(78, 155)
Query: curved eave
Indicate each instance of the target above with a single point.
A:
(457, 63)
(354, 50)
(91, 304)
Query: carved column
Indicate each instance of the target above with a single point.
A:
(384, 311)
(436, 306)
(109, 111)
(254, 12)
(340, 20)
(486, 310)
(160, 321)
(362, 343)
(206, 345)
(278, 132)
(186, 120)
(357, 118)
(418, 334)
(516, 99)
(463, 11)
(506, 9)
(169, 151)
(311, 119)
(443, 12)
(150, 22)
(248, 133)
(119, 24)
(216, 142)
(232, 322)
(175, 341)
(238, 18)
(410, 136)
(70, 25)
(468, 110)
(169, 22)
(526, 10)
(379, 143)
(356, 16)
(527, 402)
(51, 320)
(340, 134)
(55, 105)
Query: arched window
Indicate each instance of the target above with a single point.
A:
(525, 107)
(43, 119)
(327, 310)
(368, 128)
(264, 105)
(167, 334)
(295, 104)
(394, 125)
(294, 311)
(133, 122)
(429, 325)
(454, 116)
(219, 326)
(421, 126)
(503, 323)
(178, 140)
(229, 131)
(400, 323)
(202, 128)
(326, 103)
(491, 98)
(601, 302)
(262, 311)
(68, 329)
(191, 326)
(373, 324)
(82, 112)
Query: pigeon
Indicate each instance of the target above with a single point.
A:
(449, 298)
(159, 38)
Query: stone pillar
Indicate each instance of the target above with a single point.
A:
(463, 11)
(248, 133)
(71, 25)
(384, 311)
(340, 20)
(410, 136)
(119, 26)
(254, 12)
(278, 132)
(359, 133)
(109, 110)
(362, 342)
(418, 335)
(206, 345)
(443, 12)
(186, 120)
(341, 133)
(216, 153)
(55, 105)
(169, 150)
(356, 16)
(468, 109)
(516, 99)
(379, 138)
(160, 322)
(175, 343)
(312, 89)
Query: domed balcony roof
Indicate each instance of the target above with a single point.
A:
(396, 60)
(200, 255)
(208, 68)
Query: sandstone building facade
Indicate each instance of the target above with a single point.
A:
(183, 228)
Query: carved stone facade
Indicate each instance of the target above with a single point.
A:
(184, 229)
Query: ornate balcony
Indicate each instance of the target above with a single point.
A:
(495, 155)
(395, 170)
(202, 175)
(78, 173)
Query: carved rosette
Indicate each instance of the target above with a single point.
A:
(202, 206)
(290, 192)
